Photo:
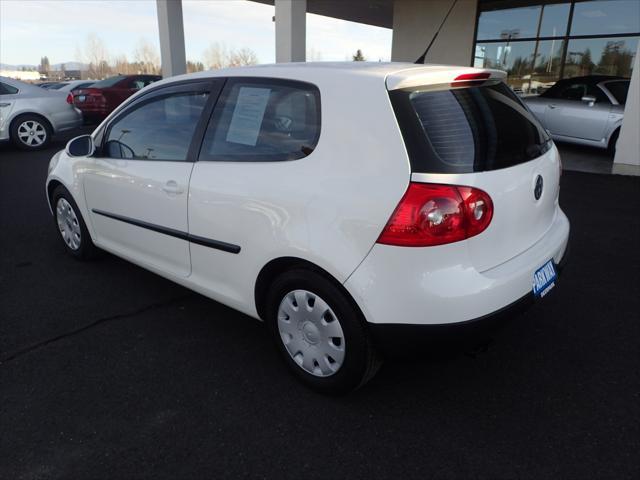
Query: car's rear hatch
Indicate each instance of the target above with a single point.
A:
(472, 130)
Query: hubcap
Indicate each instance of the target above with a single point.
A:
(311, 333)
(32, 133)
(68, 224)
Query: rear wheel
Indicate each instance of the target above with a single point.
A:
(30, 132)
(71, 227)
(320, 333)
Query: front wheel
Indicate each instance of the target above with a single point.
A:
(320, 333)
(71, 227)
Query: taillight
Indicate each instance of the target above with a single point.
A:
(470, 79)
(472, 76)
(432, 214)
(70, 99)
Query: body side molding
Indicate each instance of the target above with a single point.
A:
(206, 242)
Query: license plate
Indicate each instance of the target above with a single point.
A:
(544, 279)
(81, 98)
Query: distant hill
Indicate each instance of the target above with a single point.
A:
(71, 66)
(56, 66)
(5, 66)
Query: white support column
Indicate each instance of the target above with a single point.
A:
(627, 159)
(291, 30)
(171, 26)
(415, 23)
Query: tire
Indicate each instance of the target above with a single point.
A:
(613, 142)
(70, 226)
(331, 327)
(30, 132)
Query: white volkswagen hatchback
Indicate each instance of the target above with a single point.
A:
(347, 205)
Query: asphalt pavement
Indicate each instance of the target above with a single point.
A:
(108, 371)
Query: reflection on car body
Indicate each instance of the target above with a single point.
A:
(584, 110)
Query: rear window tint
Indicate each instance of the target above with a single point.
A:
(465, 130)
(263, 120)
(109, 82)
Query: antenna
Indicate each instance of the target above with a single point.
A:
(422, 57)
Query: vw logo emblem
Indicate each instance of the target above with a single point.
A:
(537, 190)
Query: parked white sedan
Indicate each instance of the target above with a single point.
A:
(343, 204)
(30, 115)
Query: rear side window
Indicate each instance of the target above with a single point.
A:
(466, 130)
(263, 120)
(6, 89)
(619, 90)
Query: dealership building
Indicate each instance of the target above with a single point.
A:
(537, 42)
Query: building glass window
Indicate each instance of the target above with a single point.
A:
(539, 44)
(600, 56)
(554, 20)
(514, 23)
(606, 17)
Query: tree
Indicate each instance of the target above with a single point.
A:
(146, 56)
(217, 55)
(123, 66)
(44, 65)
(97, 56)
(244, 56)
(358, 57)
(586, 64)
(194, 66)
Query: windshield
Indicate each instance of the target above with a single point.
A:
(465, 130)
(108, 82)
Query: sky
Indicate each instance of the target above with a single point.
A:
(31, 29)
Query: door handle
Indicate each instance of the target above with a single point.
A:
(5, 104)
(552, 106)
(172, 188)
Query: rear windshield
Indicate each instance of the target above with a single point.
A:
(472, 129)
(108, 82)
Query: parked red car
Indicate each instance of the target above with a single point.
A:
(99, 100)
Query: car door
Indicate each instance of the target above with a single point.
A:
(568, 116)
(257, 130)
(136, 188)
(8, 97)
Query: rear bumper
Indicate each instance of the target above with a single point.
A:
(93, 113)
(438, 286)
(68, 120)
(403, 339)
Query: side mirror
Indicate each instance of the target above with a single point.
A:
(81, 146)
(590, 99)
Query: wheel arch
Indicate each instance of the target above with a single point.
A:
(51, 186)
(278, 266)
(17, 116)
(615, 133)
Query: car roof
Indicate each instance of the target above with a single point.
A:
(593, 79)
(395, 74)
(21, 85)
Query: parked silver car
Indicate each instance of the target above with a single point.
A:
(69, 85)
(584, 110)
(30, 115)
